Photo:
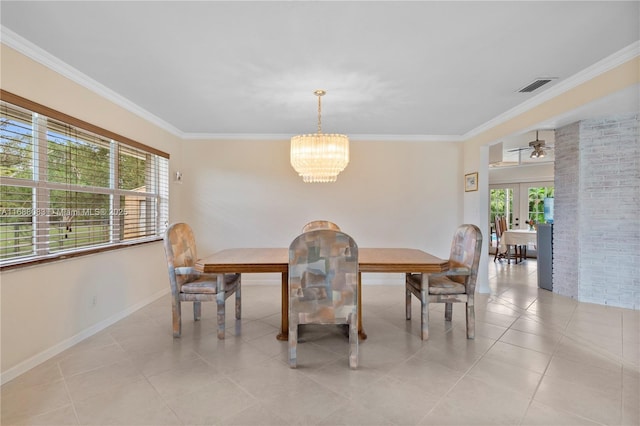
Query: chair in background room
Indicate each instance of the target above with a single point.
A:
(499, 230)
(189, 285)
(320, 224)
(457, 285)
(323, 285)
(501, 223)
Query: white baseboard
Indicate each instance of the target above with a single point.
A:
(43, 356)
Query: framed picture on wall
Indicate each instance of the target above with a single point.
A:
(471, 182)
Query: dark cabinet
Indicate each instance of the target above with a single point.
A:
(545, 256)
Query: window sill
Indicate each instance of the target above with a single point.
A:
(24, 262)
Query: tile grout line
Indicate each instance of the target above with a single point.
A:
(160, 397)
(563, 335)
(461, 378)
(66, 387)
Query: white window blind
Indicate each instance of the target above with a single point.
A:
(66, 188)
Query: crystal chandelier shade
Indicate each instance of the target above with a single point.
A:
(319, 157)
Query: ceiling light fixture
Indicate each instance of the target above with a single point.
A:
(319, 157)
(538, 151)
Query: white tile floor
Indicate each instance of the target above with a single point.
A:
(538, 359)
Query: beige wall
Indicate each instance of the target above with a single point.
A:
(245, 193)
(48, 307)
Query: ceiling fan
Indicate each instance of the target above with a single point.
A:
(538, 148)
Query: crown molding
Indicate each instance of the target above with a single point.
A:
(610, 62)
(38, 54)
(43, 57)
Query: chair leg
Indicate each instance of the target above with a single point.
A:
(471, 321)
(353, 340)
(221, 314)
(197, 311)
(407, 304)
(238, 302)
(177, 317)
(293, 343)
(448, 311)
(424, 314)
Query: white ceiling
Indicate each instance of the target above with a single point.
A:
(391, 69)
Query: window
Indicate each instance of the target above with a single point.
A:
(537, 196)
(501, 203)
(69, 187)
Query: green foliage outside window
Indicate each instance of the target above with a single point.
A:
(498, 203)
(536, 202)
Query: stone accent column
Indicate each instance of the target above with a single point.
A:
(566, 211)
(597, 211)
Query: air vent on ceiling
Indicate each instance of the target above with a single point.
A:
(537, 83)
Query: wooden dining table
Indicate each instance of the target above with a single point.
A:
(261, 260)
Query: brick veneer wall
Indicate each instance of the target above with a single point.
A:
(565, 215)
(597, 211)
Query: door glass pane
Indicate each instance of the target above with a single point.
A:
(537, 195)
(501, 204)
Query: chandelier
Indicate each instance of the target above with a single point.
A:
(319, 157)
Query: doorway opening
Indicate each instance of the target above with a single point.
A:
(522, 204)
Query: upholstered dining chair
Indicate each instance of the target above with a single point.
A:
(320, 224)
(458, 284)
(323, 285)
(500, 225)
(189, 285)
(518, 250)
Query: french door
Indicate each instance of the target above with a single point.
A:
(504, 200)
(518, 203)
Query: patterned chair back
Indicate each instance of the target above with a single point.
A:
(323, 286)
(465, 251)
(323, 277)
(180, 248)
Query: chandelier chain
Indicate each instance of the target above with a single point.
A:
(319, 114)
